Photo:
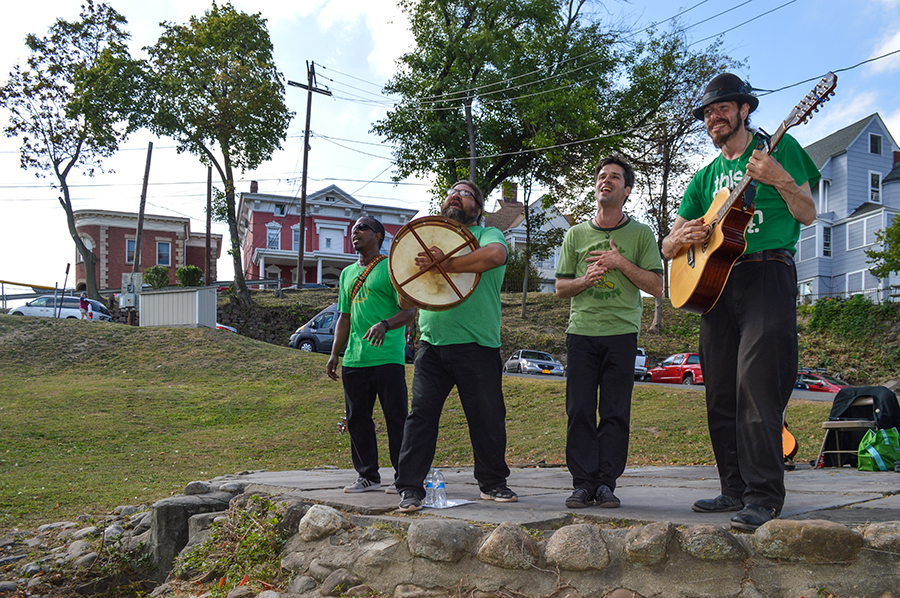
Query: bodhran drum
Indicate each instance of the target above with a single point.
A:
(432, 289)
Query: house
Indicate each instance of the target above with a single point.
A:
(510, 218)
(165, 241)
(859, 194)
(269, 233)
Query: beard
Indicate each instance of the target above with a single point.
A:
(458, 214)
(720, 138)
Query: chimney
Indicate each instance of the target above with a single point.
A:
(510, 192)
(254, 187)
(896, 158)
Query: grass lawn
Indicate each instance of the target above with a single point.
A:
(98, 415)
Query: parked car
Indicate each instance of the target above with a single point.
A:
(225, 327)
(819, 381)
(640, 365)
(48, 306)
(317, 335)
(681, 368)
(526, 361)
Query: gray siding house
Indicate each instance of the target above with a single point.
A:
(859, 194)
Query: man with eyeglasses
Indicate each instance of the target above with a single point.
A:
(461, 347)
(372, 325)
(748, 339)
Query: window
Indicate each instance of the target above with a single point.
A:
(273, 238)
(280, 209)
(90, 247)
(874, 144)
(327, 242)
(826, 241)
(129, 251)
(163, 250)
(875, 186)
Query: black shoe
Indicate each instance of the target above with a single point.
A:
(752, 516)
(500, 494)
(719, 504)
(581, 498)
(605, 498)
(409, 502)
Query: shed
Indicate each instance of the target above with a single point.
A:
(189, 307)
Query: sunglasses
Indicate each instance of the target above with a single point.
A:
(363, 226)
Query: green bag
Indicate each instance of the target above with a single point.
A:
(879, 450)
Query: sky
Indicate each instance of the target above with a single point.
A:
(354, 43)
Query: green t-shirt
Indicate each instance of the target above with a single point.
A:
(613, 305)
(772, 226)
(477, 319)
(375, 301)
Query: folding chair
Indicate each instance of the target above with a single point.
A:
(846, 425)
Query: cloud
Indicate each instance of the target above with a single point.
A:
(891, 43)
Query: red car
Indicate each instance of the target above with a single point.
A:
(819, 382)
(681, 368)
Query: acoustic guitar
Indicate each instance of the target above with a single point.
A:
(700, 270)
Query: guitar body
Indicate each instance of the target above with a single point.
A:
(699, 271)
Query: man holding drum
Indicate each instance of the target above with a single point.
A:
(372, 320)
(461, 347)
(603, 266)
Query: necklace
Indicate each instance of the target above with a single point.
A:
(606, 230)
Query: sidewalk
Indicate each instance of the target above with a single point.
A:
(648, 494)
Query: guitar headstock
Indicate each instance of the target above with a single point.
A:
(820, 94)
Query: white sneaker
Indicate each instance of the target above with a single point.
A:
(392, 489)
(362, 485)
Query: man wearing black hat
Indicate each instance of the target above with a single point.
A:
(748, 340)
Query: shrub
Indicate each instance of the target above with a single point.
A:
(157, 277)
(189, 276)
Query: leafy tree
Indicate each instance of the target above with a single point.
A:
(216, 91)
(72, 104)
(518, 267)
(887, 259)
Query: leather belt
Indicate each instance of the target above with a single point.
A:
(779, 255)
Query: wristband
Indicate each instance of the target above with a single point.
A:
(386, 325)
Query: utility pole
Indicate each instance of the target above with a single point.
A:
(206, 275)
(310, 88)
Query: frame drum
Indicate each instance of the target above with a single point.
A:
(432, 289)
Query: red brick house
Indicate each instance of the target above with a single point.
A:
(165, 241)
(269, 231)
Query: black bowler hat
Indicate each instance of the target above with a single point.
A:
(727, 88)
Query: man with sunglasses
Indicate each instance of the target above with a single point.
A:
(461, 347)
(748, 339)
(372, 325)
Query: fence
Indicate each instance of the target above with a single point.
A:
(877, 296)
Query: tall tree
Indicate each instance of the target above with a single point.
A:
(216, 91)
(72, 105)
(886, 261)
(489, 83)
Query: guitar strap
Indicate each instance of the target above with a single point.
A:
(362, 277)
(762, 144)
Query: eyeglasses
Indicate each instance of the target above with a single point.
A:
(460, 192)
(363, 226)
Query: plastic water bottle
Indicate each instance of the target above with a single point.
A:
(440, 490)
(429, 489)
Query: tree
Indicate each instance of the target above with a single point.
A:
(886, 260)
(491, 85)
(216, 91)
(74, 104)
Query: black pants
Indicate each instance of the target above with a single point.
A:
(361, 386)
(600, 378)
(477, 373)
(748, 352)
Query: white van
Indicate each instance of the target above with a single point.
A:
(46, 306)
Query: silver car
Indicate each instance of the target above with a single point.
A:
(49, 306)
(527, 361)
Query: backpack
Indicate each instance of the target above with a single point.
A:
(879, 450)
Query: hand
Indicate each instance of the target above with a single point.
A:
(375, 335)
(610, 259)
(426, 258)
(693, 231)
(763, 168)
(331, 367)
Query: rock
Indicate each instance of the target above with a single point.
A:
(883, 536)
(711, 543)
(321, 521)
(578, 548)
(509, 546)
(232, 487)
(86, 532)
(302, 585)
(141, 523)
(240, 592)
(318, 571)
(290, 513)
(338, 583)
(197, 487)
(78, 548)
(269, 594)
(811, 541)
(413, 591)
(113, 532)
(54, 526)
(33, 542)
(622, 593)
(296, 562)
(647, 545)
(7, 587)
(441, 540)
(85, 560)
(360, 590)
(128, 510)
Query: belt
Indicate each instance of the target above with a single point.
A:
(779, 255)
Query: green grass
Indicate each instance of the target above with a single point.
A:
(98, 415)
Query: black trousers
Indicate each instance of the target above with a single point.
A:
(600, 378)
(476, 372)
(361, 387)
(748, 352)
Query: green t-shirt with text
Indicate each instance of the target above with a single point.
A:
(613, 305)
(772, 226)
(375, 301)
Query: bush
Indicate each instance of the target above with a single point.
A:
(189, 276)
(157, 277)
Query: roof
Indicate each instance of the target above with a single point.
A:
(893, 175)
(866, 208)
(508, 216)
(837, 142)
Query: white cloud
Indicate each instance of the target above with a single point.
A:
(891, 43)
